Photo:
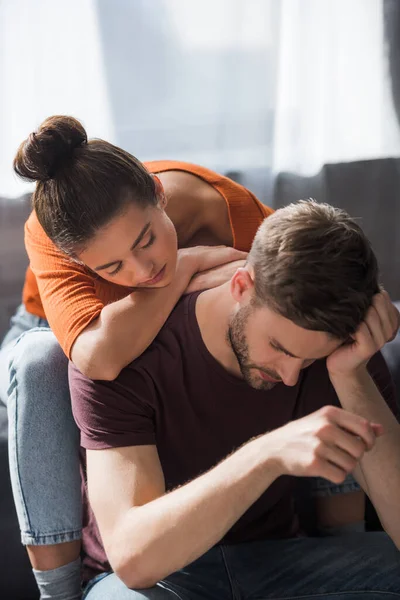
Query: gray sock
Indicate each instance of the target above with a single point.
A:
(63, 583)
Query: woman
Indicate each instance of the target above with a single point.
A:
(112, 244)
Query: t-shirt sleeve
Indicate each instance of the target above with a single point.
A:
(318, 391)
(66, 290)
(113, 414)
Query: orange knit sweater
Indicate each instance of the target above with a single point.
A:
(69, 297)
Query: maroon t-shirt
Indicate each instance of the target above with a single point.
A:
(178, 397)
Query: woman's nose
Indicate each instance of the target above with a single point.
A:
(142, 271)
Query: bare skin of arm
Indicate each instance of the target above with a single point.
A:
(378, 471)
(127, 327)
(149, 534)
(335, 512)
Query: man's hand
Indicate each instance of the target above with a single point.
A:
(328, 443)
(379, 327)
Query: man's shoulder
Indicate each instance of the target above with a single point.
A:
(121, 412)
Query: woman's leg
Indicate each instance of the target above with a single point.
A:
(44, 455)
(112, 588)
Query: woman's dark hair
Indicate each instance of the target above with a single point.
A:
(81, 185)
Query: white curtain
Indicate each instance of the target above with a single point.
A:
(333, 99)
(50, 63)
(248, 86)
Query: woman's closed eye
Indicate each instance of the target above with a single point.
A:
(117, 270)
(149, 242)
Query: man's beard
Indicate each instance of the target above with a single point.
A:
(238, 341)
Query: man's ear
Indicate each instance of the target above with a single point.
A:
(161, 197)
(242, 284)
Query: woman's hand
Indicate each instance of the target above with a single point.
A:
(201, 259)
(213, 277)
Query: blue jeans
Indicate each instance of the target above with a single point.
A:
(354, 567)
(43, 436)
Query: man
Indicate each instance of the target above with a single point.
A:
(191, 452)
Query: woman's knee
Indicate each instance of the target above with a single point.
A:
(38, 376)
(112, 588)
(37, 358)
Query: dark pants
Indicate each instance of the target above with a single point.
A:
(352, 567)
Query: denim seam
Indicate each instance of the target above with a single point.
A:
(166, 586)
(232, 581)
(14, 389)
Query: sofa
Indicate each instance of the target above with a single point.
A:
(16, 579)
(368, 189)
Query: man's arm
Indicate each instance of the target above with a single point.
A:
(149, 534)
(379, 470)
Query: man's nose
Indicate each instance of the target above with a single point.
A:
(289, 370)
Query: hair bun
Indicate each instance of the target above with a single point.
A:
(46, 150)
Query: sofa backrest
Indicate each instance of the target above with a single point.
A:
(13, 258)
(368, 190)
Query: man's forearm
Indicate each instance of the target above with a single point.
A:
(380, 466)
(156, 539)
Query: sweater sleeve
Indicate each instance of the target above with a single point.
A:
(66, 290)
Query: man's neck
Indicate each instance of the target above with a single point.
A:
(213, 310)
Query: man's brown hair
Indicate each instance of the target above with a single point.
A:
(314, 265)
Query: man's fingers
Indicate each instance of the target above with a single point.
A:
(355, 425)
(377, 429)
(332, 472)
(352, 444)
(338, 457)
(394, 315)
(364, 340)
(388, 314)
(380, 330)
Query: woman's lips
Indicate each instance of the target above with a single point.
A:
(157, 278)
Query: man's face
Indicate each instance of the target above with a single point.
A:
(271, 349)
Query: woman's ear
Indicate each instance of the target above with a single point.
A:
(242, 285)
(161, 197)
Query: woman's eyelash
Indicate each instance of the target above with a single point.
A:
(149, 243)
(117, 270)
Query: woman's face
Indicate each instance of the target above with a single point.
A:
(138, 248)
